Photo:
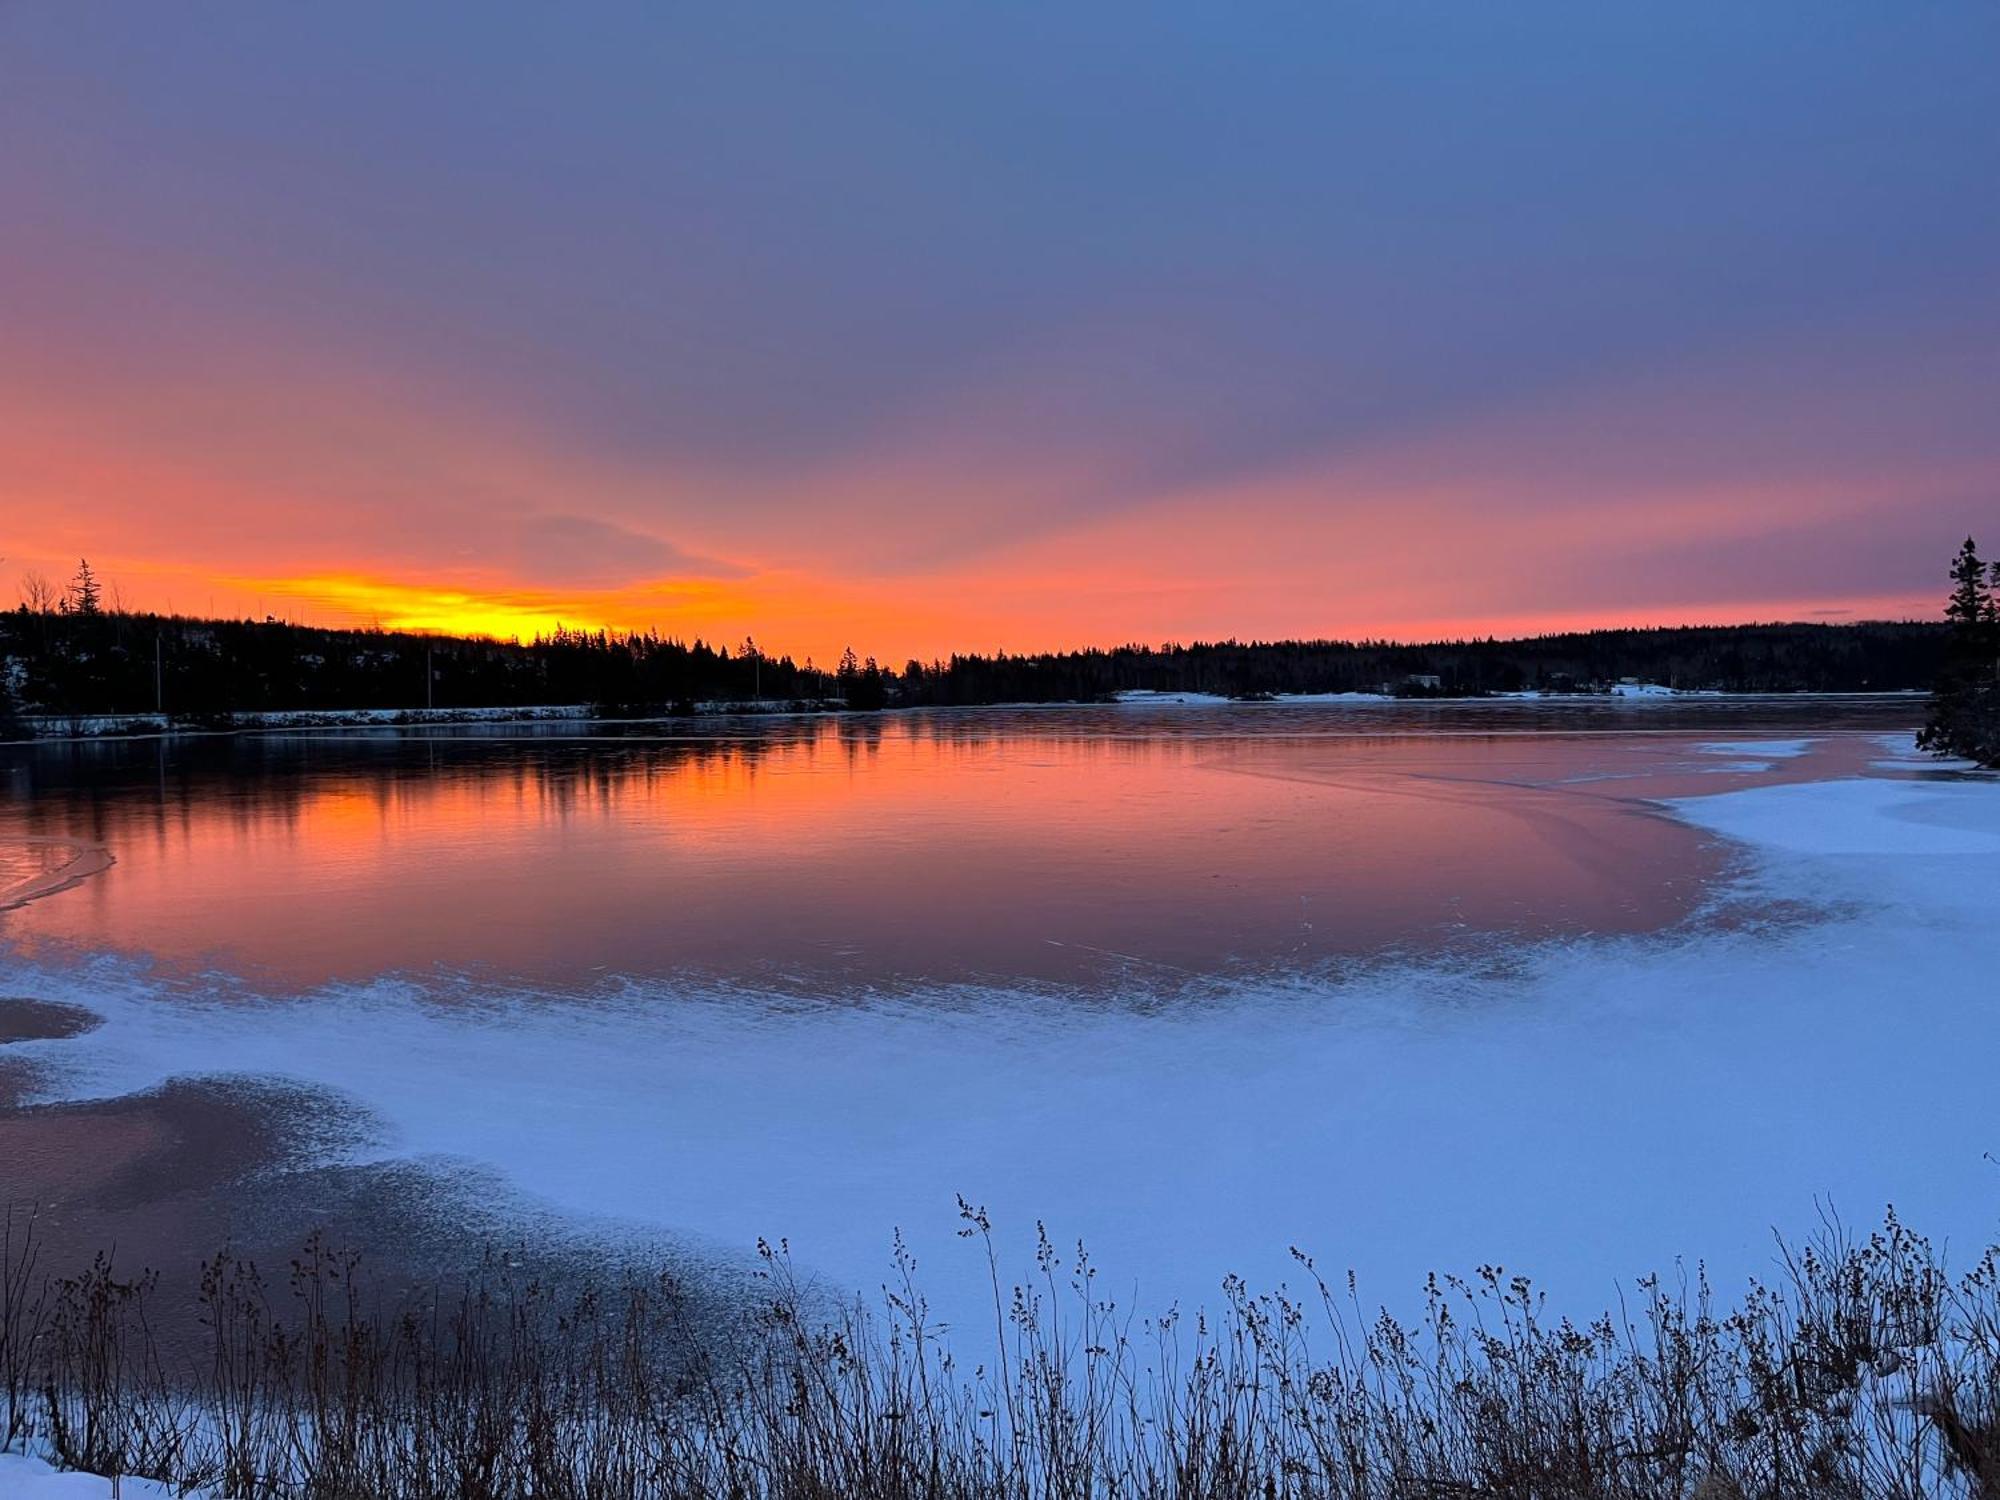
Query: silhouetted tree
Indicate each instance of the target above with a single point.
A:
(871, 690)
(1969, 611)
(1965, 701)
(86, 594)
(66, 663)
(38, 595)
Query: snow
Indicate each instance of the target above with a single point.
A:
(1751, 755)
(98, 726)
(1762, 749)
(1147, 698)
(1905, 756)
(1641, 690)
(1335, 698)
(1868, 819)
(24, 1478)
(1763, 754)
(1582, 1110)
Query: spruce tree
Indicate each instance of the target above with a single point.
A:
(1965, 702)
(1969, 611)
(86, 594)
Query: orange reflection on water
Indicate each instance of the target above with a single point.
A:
(844, 850)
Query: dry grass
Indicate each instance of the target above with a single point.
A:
(1865, 1370)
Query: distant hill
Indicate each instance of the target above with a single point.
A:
(74, 663)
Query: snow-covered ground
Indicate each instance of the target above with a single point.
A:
(1760, 749)
(1753, 755)
(23, 1478)
(1582, 1110)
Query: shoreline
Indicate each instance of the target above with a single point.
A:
(56, 729)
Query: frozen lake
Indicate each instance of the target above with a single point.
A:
(1574, 988)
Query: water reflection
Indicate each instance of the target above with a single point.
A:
(1051, 844)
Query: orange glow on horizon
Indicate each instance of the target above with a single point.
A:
(809, 618)
(498, 613)
(282, 482)
(1455, 534)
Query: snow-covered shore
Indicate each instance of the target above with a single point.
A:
(115, 726)
(1636, 691)
(134, 726)
(122, 726)
(1585, 1109)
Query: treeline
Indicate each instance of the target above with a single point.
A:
(1873, 657)
(75, 663)
(80, 662)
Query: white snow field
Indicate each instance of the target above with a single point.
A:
(1752, 755)
(24, 1478)
(1761, 749)
(1582, 1111)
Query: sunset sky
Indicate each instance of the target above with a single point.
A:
(953, 326)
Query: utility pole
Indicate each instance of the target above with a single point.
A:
(159, 680)
(430, 679)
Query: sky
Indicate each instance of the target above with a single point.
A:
(936, 327)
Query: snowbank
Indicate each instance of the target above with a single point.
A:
(23, 1478)
(1922, 826)
(1903, 755)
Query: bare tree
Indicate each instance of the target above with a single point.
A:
(37, 592)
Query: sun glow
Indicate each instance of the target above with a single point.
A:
(499, 612)
(789, 613)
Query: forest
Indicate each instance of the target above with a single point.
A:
(66, 656)
(1872, 657)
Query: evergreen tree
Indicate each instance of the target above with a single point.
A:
(871, 689)
(86, 594)
(1969, 611)
(1965, 703)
